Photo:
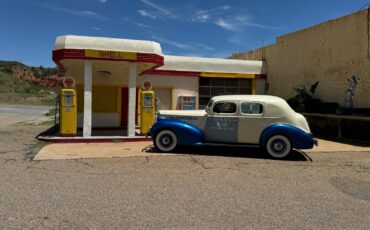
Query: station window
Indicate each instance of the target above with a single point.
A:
(210, 87)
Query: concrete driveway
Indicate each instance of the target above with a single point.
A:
(67, 151)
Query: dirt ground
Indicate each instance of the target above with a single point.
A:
(212, 188)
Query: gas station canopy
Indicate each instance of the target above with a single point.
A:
(147, 54)
(211, 65)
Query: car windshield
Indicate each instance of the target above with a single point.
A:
(209, 105)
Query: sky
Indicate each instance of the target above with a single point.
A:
(205, 28)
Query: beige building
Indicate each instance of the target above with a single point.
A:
(330, 53)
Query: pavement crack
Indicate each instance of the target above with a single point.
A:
(84, 163)
(5, 152)
(146, 160)
(30, 166)
(10, 160)
(241, 163)
(196, 161)
(62, 171)
(11, 151)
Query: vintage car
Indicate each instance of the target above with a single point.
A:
(251, 120)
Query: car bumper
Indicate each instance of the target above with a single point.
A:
(315, 141)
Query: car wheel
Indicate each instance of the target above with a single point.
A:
(165, 141)
(278, 146)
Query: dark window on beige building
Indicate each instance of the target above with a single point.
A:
(210, 87)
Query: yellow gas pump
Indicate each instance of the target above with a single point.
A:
(147, 109)
(68, 112)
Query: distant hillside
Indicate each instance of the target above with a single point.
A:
(39, 71)
(15, 90)
(6, 66)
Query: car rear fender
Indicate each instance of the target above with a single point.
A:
(186, 133)
(298, 137)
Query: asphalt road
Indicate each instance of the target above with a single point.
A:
(230, 188)
(12, 114)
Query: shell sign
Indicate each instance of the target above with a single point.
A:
(69, 82)
(110, 55)
(147, 85)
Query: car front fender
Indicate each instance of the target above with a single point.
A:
(186, 133)
(298, 137)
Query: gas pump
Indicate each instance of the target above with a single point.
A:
(68, 112)
(147, 111)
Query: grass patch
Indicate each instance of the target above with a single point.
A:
(36, 123)
(16, 91)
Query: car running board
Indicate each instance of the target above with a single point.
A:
(232, 145)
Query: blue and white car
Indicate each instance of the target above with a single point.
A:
(251, 120)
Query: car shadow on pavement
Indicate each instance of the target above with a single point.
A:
(358, 143)
(241, 152)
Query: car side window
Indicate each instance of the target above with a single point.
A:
(224, 107)
(251, 108)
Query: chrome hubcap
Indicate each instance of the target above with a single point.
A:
(278, 146)
(166, 140)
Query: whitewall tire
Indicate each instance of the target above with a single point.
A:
(165, 141)
(278, 146)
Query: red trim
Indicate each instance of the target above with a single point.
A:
(172, 72)
(93, 140)
(62, 54)
(152, 58)
(59, 55)
(260, 77)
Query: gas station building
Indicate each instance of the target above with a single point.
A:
(108, 75)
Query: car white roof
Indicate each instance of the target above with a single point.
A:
(274, 106)
(256, 98)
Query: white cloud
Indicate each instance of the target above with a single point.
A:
(191, 54)
(102, 1)
(146, 14)
(138, 24)
(89, 13)
(246, 21)
(194, 48)
(238, 22)
(157, 12)
(227, 19)
(172, 43)
(81, 13)
(208, 15)
(96, 28)
(204, 46)
(143, 25)
(157, 7)
(225, 24)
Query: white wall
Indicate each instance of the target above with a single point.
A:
(182, 86)
(100, 120)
